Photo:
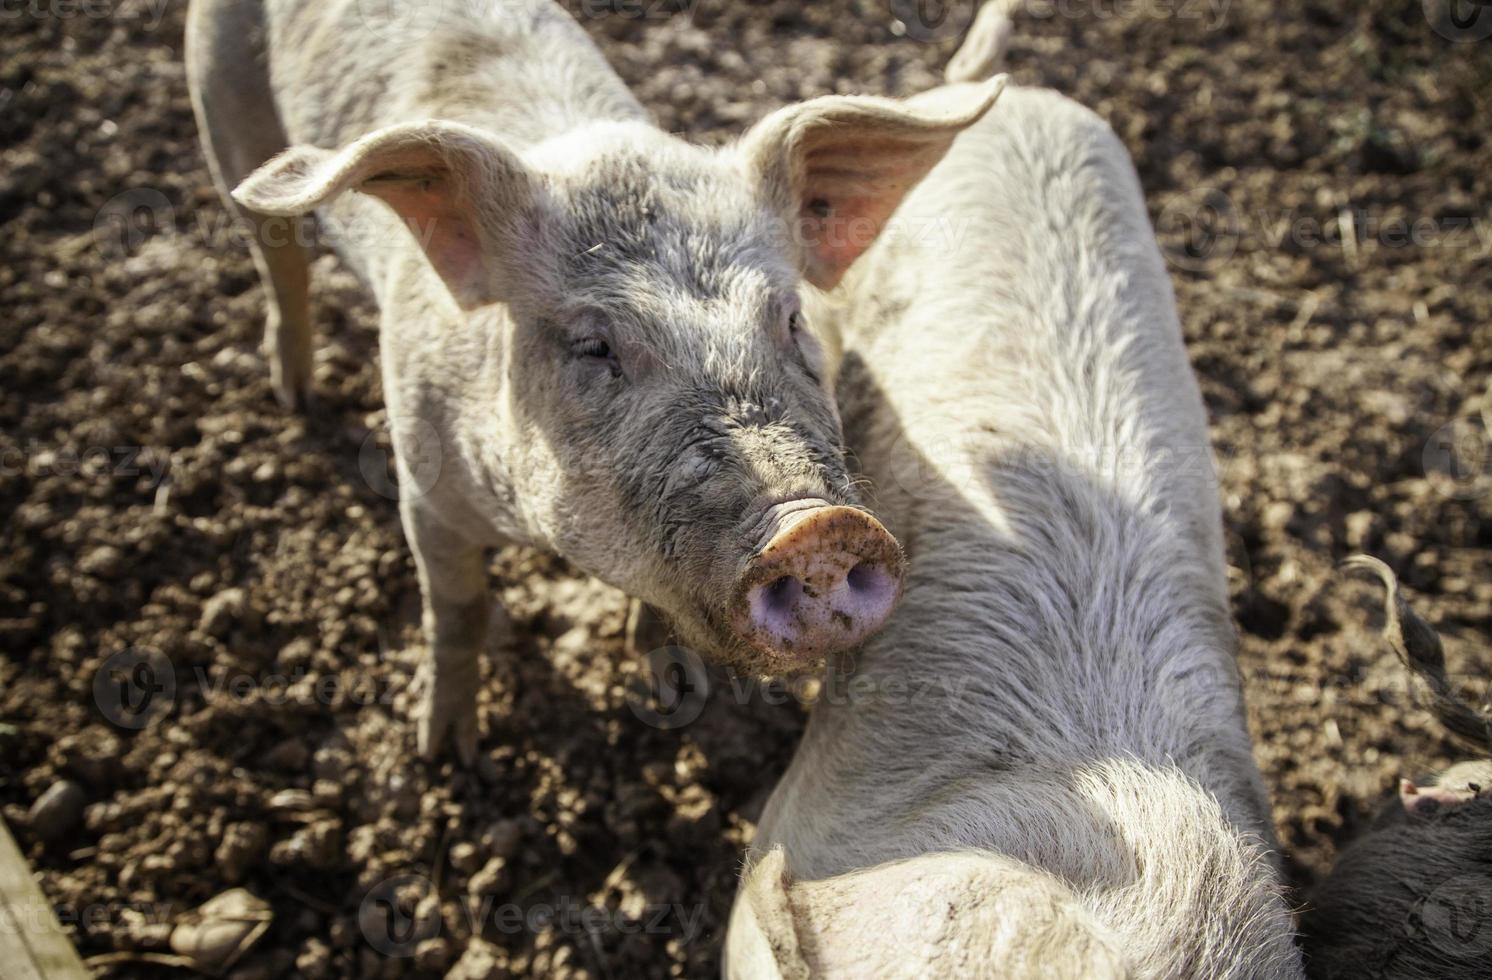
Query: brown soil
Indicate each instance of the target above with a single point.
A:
(1335, 373)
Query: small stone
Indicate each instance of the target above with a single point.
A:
(432, 955)
(290, 755)
(315, 959)
(103, 562)
(491, 879)
(480, 961)
(318, 846)
(465, 857)
(221, 611)
(502, 838)
(242, 846)
(57, 811)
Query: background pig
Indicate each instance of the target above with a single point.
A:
(1412, 897)
(591, 327)
(1046, 769)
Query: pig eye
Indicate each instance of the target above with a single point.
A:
(597, 350)
(795, 323)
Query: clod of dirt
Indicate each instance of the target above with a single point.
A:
(221, 611)
(480, 961)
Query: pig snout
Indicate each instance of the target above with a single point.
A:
(824, 580)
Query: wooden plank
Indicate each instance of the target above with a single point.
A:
(32, 943)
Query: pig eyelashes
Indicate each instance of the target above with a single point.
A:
(596, 350)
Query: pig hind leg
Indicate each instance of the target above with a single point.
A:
(240, 130)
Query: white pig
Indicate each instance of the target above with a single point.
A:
(592, 327)
(1041, 767)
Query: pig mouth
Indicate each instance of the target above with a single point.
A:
(826, 579)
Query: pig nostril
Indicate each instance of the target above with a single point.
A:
(782, 594)
(862, 577)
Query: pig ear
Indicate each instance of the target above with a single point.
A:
(1409, 795)
(454, 186)
(840, 165)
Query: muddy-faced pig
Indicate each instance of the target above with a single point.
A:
(1412, 897)
(591, 332)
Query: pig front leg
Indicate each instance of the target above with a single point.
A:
(453, 585)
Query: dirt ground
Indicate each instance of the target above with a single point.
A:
(1319, 175)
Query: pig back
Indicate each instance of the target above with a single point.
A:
(1017, 318)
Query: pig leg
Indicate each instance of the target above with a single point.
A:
(453, 582)
(240, 130)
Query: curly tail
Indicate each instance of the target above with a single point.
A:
(1419, 648)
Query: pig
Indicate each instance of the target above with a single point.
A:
(1411, 898)
(592, 332)
(1040, 766)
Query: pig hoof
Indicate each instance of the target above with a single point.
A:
(293, 396)
(436, 722)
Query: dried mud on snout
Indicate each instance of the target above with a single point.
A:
(156, 506)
